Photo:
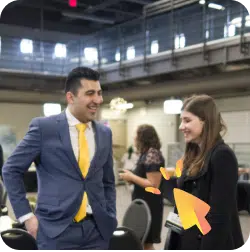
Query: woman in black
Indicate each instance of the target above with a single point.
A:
(210, 173)
(147, 174)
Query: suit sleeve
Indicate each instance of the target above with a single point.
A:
(109, 182)
(222, 200)
(17, 164)
(1, 159)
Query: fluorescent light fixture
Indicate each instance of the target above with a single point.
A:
(131, 52)
(117, 55)
(125, 106)
(60, 51)
(26, 46)
(154, 47)
(91, 54)
(51, 109)
(216, 6)
(212, 5)
(172, 107)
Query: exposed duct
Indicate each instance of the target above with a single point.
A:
(217, 83)
(88, 17)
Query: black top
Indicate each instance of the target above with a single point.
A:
(215, 184)
(150, 161)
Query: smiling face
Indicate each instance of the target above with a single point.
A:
(85, 104)
(191, 126)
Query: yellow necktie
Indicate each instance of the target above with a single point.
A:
(83, 162)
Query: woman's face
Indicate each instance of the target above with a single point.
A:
(191, 126)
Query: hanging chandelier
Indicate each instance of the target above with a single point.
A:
(119, 104)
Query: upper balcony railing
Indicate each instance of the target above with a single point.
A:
(178, 28)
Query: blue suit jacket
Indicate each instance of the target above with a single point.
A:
(60, 182)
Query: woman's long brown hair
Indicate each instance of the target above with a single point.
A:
(204, 107)
(147, 138)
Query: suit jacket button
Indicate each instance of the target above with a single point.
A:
(199, 236)
(194, 183)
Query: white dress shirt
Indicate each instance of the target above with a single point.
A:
(90, 136)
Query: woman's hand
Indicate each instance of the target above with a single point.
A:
(126, 175)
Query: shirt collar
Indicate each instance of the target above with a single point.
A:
(72, 121)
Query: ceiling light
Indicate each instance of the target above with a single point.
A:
(173, 107)
(216, 6)
(202, 2)
(120, 105)
(125, 106)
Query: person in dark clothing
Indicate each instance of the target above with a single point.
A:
(210, 172)
(147, 174)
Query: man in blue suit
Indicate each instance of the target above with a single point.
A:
(76, 201)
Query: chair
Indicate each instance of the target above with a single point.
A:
(124, 239)
(243, 196)
(19, 239)
(138, 219)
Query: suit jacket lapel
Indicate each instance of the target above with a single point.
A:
(63, 131)
(97, 146)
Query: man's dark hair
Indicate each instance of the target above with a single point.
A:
(73, 83)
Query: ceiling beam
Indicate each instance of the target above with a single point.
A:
(216, 83)
(101, 6)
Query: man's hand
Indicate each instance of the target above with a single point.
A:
(32, 226)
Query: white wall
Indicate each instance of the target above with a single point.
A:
(233, 104)
(165, 125)
(18, 116)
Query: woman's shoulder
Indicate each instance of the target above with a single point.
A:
(154, 151)
(223, 151)
(154, 155)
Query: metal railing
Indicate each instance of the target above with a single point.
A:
(191, 25)
(241, 150)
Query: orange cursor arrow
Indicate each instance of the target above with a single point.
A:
(179, 168)
(152, 190)
(164, 173)
(192, 211)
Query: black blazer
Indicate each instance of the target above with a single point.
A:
(216, 184)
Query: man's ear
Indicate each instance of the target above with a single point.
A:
(70, 97)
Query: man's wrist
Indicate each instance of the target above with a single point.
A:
(25, 217)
